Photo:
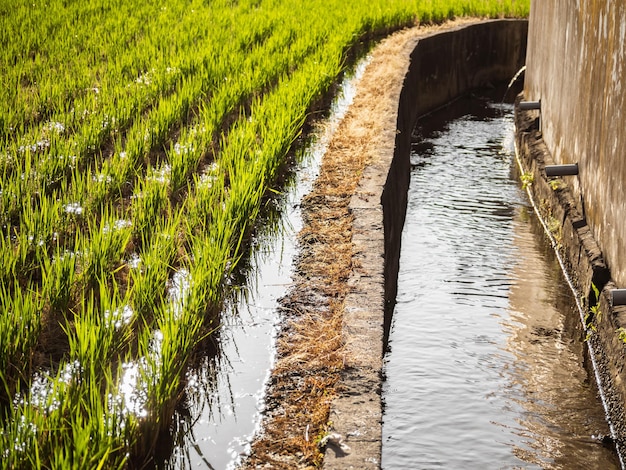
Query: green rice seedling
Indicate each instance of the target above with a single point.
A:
(40, 218)
(66, 423)
(10, 261)
(150, 204)
(206, 196)
(103, 252)
(30, 239)
(183, 158)
(20, 324)
(115, 175)
(99, 331)
(213, 255)
(59, 278)
(148, 278)
(167, 351)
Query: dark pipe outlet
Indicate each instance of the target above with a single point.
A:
(562, 170)
(618, 297)
(525, 105)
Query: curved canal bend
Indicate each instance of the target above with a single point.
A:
(485, 366)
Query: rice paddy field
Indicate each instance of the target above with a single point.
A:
(139, 142)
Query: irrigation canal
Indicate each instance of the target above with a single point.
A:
(486, 361)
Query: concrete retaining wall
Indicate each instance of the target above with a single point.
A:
(443, 67)
(576, 66)
(585, 265)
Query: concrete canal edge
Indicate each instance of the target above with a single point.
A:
(430, 68)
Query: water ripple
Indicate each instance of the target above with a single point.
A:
(484, 367)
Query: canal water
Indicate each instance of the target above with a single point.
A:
(486, 363)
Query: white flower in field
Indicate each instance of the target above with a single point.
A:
(40, 145)
(197, 130)
(179, 148)
(212, 167)
(122, 224)
(134, 262)
(119, 224)
(108, 122)
(66, 254)
(146, 78)
(102, 178)
(143, 80)
(33, 241)
(161, 175)
(206, 180)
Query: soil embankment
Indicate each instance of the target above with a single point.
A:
(327, 380)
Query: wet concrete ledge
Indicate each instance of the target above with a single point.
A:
(585, 265)
(439, 67)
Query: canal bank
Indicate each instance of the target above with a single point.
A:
(435, 69)
(399, 85)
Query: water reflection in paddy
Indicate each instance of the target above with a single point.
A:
(225, 396)
(485, 367)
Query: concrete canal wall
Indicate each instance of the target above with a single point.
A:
(576, 68)
(443, 67)
(432, 69)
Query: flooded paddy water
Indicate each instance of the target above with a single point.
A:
(225, 397)
(486, 364)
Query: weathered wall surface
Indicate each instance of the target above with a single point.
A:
(582, 258)
(576, 66)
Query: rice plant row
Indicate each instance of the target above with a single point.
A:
(137, 142)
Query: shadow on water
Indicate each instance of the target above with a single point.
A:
(486, 361)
